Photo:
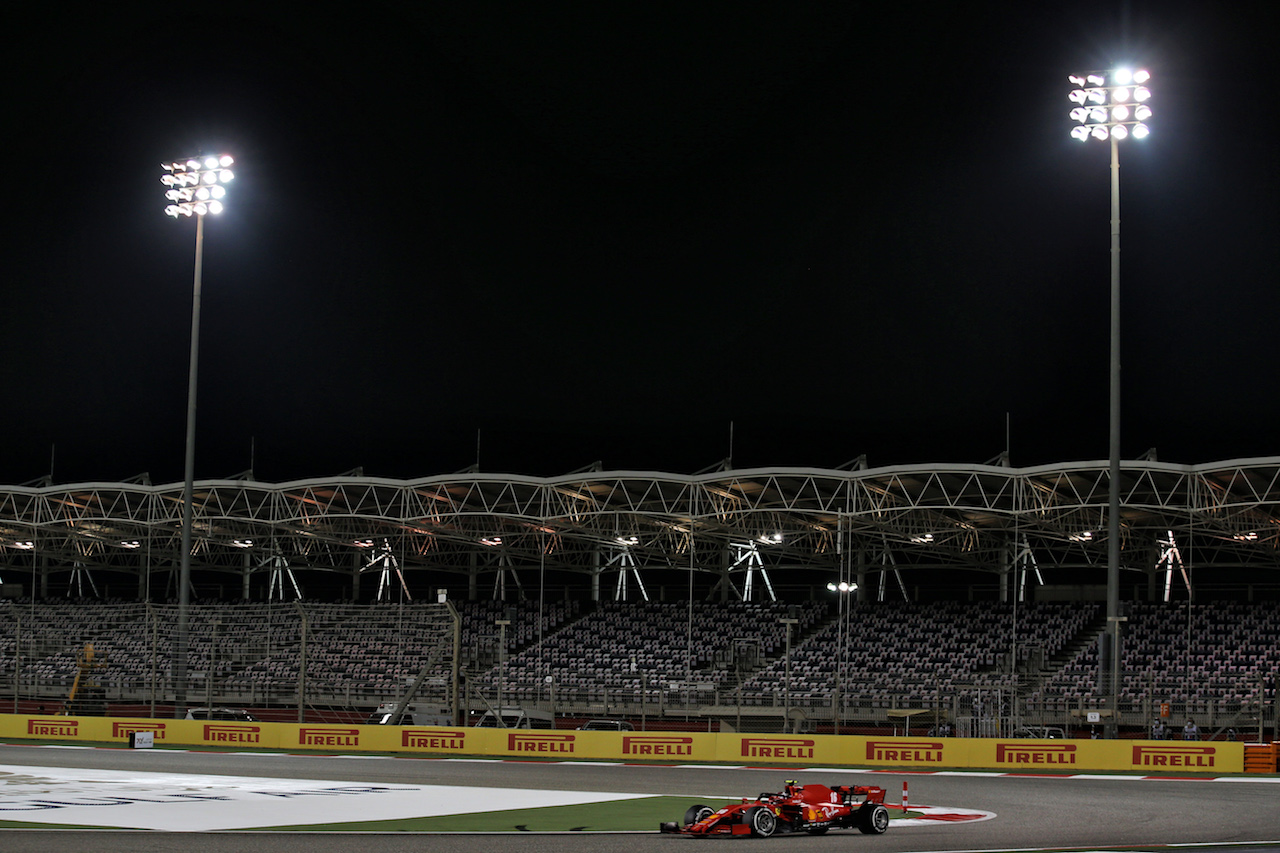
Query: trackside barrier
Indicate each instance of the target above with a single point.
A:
(1261, 757)
(1064, 756)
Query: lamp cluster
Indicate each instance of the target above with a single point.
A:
(1110, 104)
(196, 185)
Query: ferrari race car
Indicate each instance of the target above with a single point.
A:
(798, 808)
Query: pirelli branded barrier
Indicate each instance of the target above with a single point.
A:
(1066, 756)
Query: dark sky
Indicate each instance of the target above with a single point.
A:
(608, 231)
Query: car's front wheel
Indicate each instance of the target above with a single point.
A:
(697, 813)
(762, 820)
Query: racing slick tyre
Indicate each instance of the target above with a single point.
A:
(697, 813)
(873, 819)
(762, 820)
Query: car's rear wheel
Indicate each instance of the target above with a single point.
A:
(762, 820)
(697, 813)
(873, 819)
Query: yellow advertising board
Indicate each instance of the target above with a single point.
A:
(1151, 758)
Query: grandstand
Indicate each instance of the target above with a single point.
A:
(663, 596)
(665, 660)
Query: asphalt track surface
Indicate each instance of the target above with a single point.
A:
(1032, 812)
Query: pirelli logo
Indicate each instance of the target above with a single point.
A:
(328, 737)
(905, 751)
(432, 739)
(656, 745)
(124, 729)
(1041, 753)
(53, 728)
(232, 733)
(1183, 757)
(529, 742)
(777, 747)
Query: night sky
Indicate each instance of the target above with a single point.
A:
(609, 232)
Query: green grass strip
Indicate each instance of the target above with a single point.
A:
(637, 815)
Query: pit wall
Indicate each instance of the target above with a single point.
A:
(1155, 758)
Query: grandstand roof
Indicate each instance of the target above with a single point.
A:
(785, 520)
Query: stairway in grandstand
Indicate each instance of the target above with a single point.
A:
(1086, 637)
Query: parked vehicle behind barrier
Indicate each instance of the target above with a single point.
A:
(1041, 732)
(517, 718)
(415, 714)
(237, 714)
(606, 726)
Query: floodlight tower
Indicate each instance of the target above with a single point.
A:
(194, 188)
(1112, 105)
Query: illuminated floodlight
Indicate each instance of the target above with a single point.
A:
(194, 182)
(1110, 104)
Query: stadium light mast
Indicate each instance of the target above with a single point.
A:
(1112, 106)
(194, 187)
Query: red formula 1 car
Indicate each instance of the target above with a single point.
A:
(799, 808)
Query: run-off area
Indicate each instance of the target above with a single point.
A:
(186, 802)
